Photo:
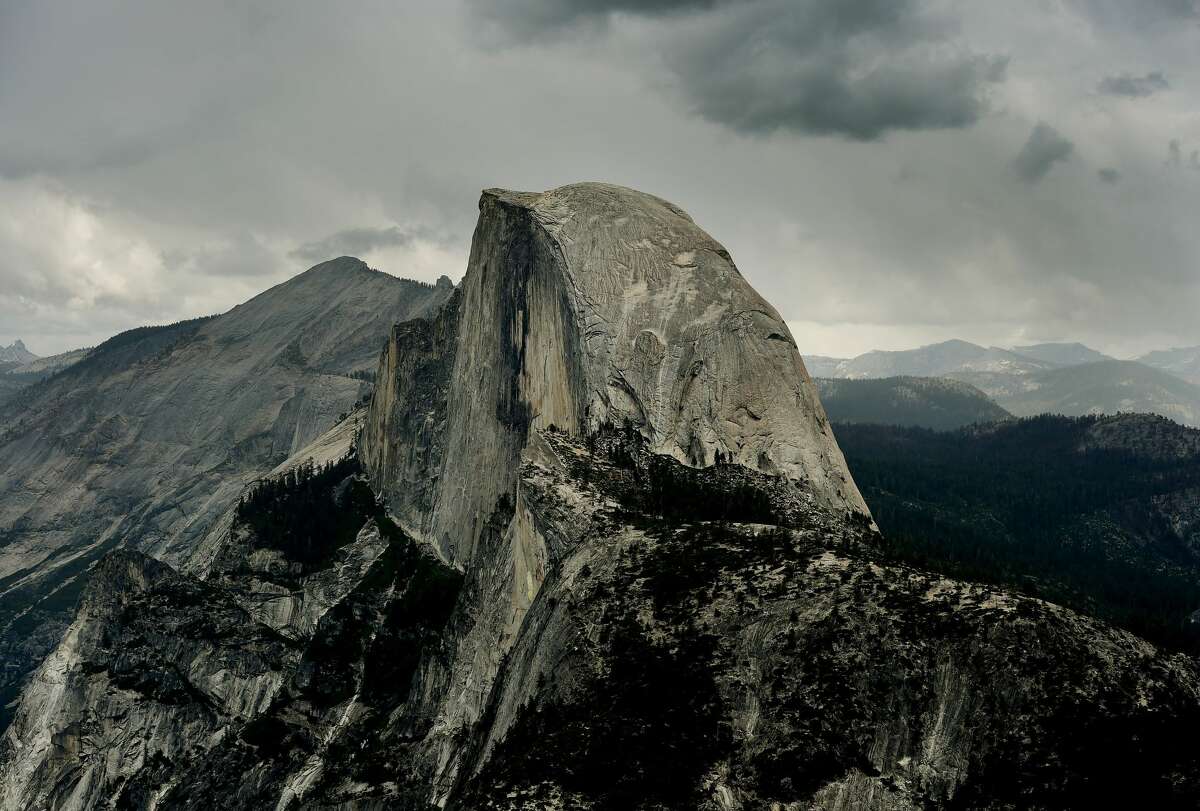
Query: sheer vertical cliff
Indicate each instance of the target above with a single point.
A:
(593, 547)
(594, 305)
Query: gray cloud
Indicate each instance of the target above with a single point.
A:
(529, 18)
(360, 241)
(1140, 13)
(1132, 86)
(857, 69)
(160, 161)
(1109, 175)
(1174, 153)
(1044, 148)
(241, 255)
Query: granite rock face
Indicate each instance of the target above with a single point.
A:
(586, 306)
(166, 676)
(590, 546)
(147, 440)
(703, 638)
(769, 659)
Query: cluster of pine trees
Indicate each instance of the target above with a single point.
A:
(310, 511)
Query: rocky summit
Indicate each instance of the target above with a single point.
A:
(16, 353)
(150, 437)
(590, 545)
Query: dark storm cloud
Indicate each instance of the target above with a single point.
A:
(1109, 175)
(1044, 148)
(359, 241)
(1134, 86)
(858, 69)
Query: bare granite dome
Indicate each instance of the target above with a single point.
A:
(593, 305)
(674, 338)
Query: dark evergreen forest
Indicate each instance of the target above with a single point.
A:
(1097, 513)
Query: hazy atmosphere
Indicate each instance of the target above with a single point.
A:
(886, 173)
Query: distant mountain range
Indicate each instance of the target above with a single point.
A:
(1061, 378)
(1072, 354)
(20, 368)
(1106, 387)
(940, 403)
(1184, 363)
(16, 353)
(946, 358)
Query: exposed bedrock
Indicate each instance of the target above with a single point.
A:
(583, 306)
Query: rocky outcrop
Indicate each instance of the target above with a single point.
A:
(704, 638)
(773, 661)
(586, 306)
(16, 353)
(149, 439)
(162, 672)
(610, 557)
(582, 307)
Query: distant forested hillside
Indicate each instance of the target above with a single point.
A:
(926, 402)
(1101, 514)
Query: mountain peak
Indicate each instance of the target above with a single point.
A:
(16, 352)
(585, 307)
(1061, 353)
(342, 264)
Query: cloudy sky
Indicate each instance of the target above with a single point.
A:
(886, 172)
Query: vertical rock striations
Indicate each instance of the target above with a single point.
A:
(586, 306)
(583, 307)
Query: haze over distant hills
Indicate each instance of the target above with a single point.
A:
(20, 368)
(1064, 378)
(948, 357)
(1106, 387)
(16, 353)
(1061, 354)
(1183, 362)
(940, 403)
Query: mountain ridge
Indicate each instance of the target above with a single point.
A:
(1061, 377)
(940, 403)
(149, 438)
(1107, 387)
(17, 353)
(1183, 362)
